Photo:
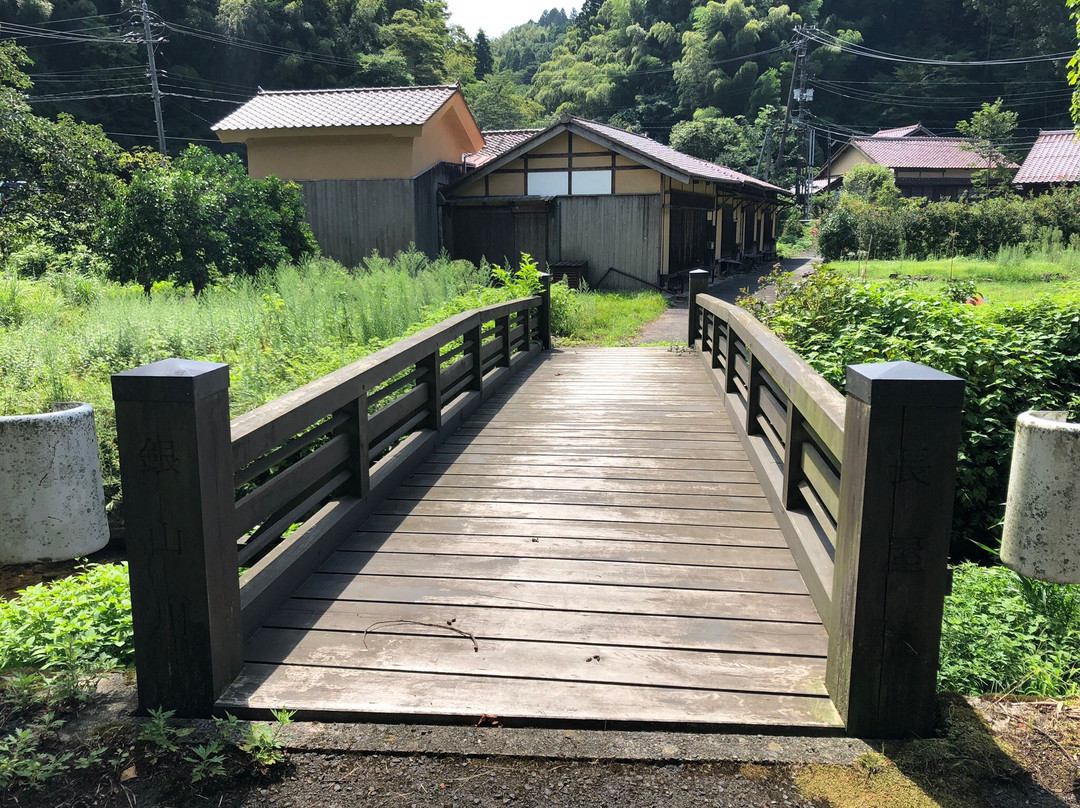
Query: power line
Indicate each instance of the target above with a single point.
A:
(832, 41)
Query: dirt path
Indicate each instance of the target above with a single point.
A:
(670, 327)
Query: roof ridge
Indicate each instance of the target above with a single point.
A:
(359, 89)
(510, 131)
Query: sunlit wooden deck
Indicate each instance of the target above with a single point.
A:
(592, 545)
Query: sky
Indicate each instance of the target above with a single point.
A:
(497, 16)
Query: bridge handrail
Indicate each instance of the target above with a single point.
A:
(278, 487)
(862, 487)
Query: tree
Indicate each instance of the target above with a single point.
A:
(500, 103)
(987, 134)
(485, 62)
(874, 183)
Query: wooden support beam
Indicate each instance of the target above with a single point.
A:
(699, 283)
(901, 437)
(172, 425)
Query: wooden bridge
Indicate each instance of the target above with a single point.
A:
(470, 524)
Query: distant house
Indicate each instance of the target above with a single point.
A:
(586, 192)
(1053, 160)
(922, 163)
(382, 168)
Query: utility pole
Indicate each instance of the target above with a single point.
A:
(154, 89)
(799, 94)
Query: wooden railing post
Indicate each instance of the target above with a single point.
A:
(901, 437)
(172, 430)
(433, 378)
(545, 310)
(503, 323)
(699, 283)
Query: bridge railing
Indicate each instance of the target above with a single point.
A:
(278, 488)
(862, 487)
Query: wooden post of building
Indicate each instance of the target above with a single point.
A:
(172, 430)
(901, 437)
(699, 282)
(545, 310)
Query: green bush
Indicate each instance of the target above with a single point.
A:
(200, 218)
(81, 622)
(1006, 634)
(838, 236)
(1014, 357)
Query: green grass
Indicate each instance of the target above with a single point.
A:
(1011, 276)
(605, 319)
(1003, 633)
(62, 337)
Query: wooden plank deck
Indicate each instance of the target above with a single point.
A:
(598, 530)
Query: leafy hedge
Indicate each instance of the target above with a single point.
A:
(919, 229)
(1015, 357)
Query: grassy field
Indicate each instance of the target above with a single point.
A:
(603, 318)
(1011, 276)
(61, 337)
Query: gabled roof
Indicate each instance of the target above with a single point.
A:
(914, 153)
(905, 131)
(1055, 157)
(304, 109)
(498, 142)
(636, 147)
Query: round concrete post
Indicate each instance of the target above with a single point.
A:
(53, 505)
(1042, 514)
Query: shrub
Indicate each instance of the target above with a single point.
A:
(1005, 633)
(79, 622)
(1014, 357)
(200, 218)
(838, 237)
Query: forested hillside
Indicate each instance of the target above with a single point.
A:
(720, 70)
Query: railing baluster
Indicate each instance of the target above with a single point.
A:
(359, 459)
(716, 337)
(753, 393)
(794, 436)
(507, 349)
(699, 282)
(433, 378)
(474, 340)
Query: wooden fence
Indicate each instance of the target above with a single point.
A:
(279, 487)
(863, 488)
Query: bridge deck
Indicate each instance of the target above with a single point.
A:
(591, 546)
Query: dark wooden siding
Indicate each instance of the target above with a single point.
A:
(613, 231)
(350, 218)
(500, 234)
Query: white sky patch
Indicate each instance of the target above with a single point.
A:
(498, 16)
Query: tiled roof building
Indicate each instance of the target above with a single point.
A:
(1053, 160)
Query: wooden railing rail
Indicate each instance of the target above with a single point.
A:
(863, 488)
(280, 486)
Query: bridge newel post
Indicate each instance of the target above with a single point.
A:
(545, 310)
(901, 437)
(172, 425)
(699, 283)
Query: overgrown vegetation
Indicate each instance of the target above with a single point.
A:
(68, 331)
(600, 318)
(1014, 357)
(871, 220)
(1004, 633)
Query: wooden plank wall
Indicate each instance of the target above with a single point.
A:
(613, 231)
(350, 218)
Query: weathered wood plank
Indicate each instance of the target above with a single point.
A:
(567, 662)
(696, 633)
(576, 528)
(319, 691)
(570, 482)
(645, 552)
(591, 513)
(612, 474)
(416, 493)
(741, 605)
(675, 574)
